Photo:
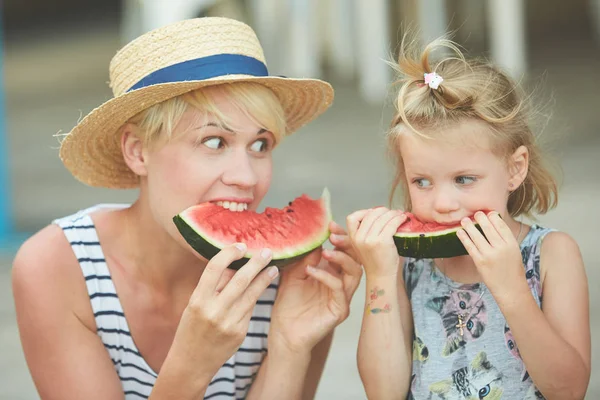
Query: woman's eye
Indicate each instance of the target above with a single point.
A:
(259, 146)
(422, 182)
(213, 143)
(465, 180)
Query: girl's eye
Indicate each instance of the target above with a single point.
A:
(213, 143)
(422, 182)
(260, 145)
(465, 180)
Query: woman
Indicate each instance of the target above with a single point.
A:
(112, 303)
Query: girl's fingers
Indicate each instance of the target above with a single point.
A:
(368, 221)
(380, 223)
(354, 220)
(489, 230)
(501, 227)
(469, 245)
(476, 237)
(393, 224)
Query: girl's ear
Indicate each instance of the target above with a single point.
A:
(133, 151)
(518, 167)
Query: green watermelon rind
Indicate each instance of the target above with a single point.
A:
(208, 248)
(439, 244)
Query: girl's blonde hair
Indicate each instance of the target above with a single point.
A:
(471, 90)
(256, 101)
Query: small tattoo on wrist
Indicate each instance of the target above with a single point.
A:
(375, 294)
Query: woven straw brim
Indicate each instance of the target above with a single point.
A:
(92, 150)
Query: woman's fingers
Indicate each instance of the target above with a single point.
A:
(247, 300)
(244, 277)
(335, 285)
(209, 282)
(350, 269)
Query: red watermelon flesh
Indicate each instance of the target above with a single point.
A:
(290, 232)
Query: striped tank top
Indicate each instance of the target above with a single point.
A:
(233, 379)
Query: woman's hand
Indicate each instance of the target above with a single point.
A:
(314, 296)
(216, 320)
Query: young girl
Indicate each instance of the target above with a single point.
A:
(112, 303)
(510, 319)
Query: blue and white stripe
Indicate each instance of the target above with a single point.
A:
(233, 379)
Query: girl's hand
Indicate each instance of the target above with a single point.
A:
(497, 256)
(216, 320)
(371, 234)
(314, 296)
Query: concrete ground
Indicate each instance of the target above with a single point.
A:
(342, 150)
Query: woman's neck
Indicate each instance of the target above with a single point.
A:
(148, 254)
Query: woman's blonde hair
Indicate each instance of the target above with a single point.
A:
(256, 101)
(472, 89)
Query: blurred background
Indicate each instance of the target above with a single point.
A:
(55, 69)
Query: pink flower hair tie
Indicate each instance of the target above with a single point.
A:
(433, 80)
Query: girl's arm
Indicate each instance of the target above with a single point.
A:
(555, 343)
(385, 343)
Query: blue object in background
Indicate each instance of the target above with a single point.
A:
(6, 222)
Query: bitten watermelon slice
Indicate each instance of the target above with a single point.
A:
(418, 239)
(290, 232)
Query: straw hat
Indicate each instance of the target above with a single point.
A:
(165, 63)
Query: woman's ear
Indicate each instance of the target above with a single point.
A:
(518, 167)
(133, 150)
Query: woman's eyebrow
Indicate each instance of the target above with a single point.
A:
(214, 124)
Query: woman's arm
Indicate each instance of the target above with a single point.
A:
(68, 360)
(311, 303)
(65, 356)
(295, 375)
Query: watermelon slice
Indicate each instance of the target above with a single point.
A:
(418, 239)
(290, 232)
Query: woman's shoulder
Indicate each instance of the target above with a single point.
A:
(44, 252)
(49, 249)
(45, 266)
(80, 215)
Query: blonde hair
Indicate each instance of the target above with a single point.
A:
(256, 101)
(472, 89)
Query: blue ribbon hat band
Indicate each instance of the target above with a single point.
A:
(205, 68)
